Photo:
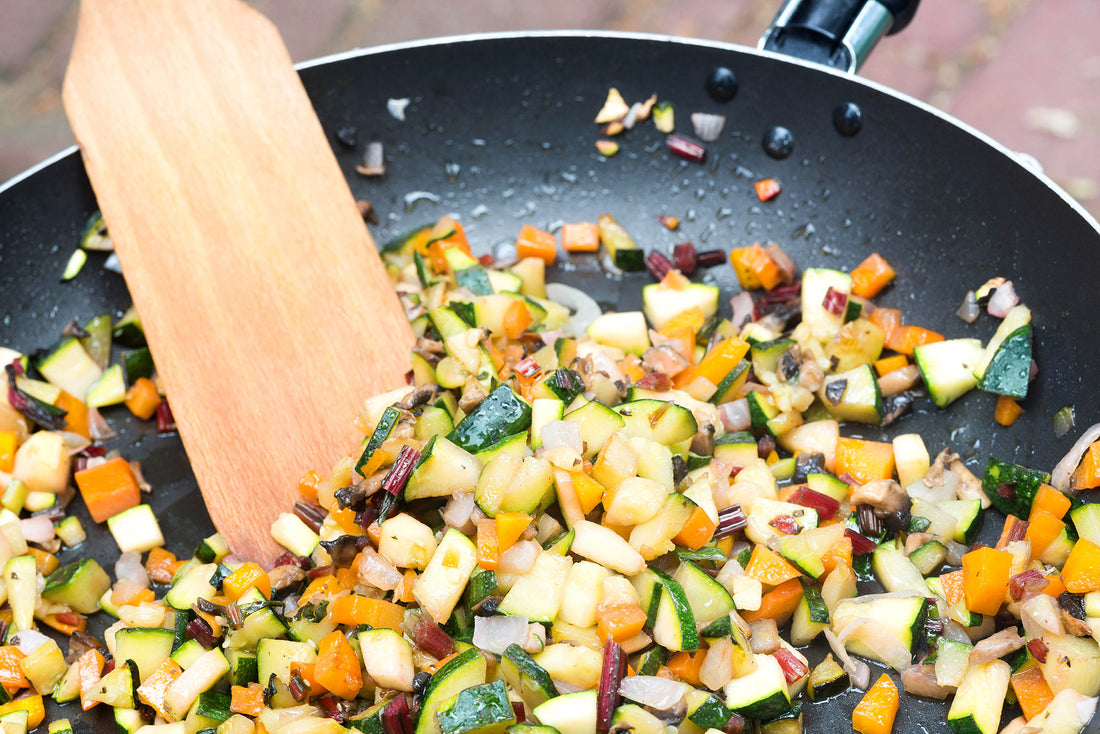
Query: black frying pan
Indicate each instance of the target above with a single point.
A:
(513, 116)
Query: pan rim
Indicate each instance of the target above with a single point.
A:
(1016, 157)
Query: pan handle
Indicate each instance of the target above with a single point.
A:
(836, 33)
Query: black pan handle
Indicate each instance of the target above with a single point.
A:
(837, 33)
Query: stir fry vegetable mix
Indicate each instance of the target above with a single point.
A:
(574, 527)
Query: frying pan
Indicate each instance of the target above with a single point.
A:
(499, 130)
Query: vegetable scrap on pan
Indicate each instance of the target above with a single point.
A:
(575, 522)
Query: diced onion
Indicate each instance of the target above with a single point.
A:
(742, 309)
(519, 558)
(857, 670)
(460, 507)
(128, 566)
(708, 127)
(1063, 421)
(651, 690)
(920, 680)
(583, 307)
(1002, 300)
(1063, 470)
(996, 646)
(29, 640)
(563, 433)
(969, 310)
(37, 529)
(98, 427)
(376, 571)
(494, 634)
(735, 415)
(879, 638)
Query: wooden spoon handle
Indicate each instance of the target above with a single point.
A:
(265, 304)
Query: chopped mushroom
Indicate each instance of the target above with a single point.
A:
(970, 487)
(885, 495)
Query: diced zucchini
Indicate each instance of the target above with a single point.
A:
(465, 670)
(148, 647)
(816, 283)
(202, 675)
(128, 330)
(674, 627)
(903, 616)
(653, 537)
(1018, 316)
(827, 679)
(895, 571)
(138, 363)
(109, 389)
(388, 658)
(193, 585)
(626, 330)
(948, 368)
(763, 693)
(537, 594)
(136, 529)
(98, 342)
(527, 678)
(976, 708)
(737, 449)
(1086, 520)
(117, 688)
(633, 718)
(928, 557)
(21, 579)
(444, 468)
(968, 517)
(78, 584)
(70, 368)
(439, 588)
(482, 709)
(500, 415)
(707, 598)
(662, 303)
(571, 713)
(597, 423)
(1011, 487)
(665, 422)
(853, 396)
(1009, 372)
(289, 531)
(951, 660)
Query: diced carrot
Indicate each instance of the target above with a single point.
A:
(682, 339)
(142, 398)
(698, 529)
(1042, 529)
(89, 669)
(108, 488)
(161, 565)
(449, 230)
(875, 712)
(404, 591)
(488, 544)
(589, 491)
(691, 319)
(905, 339)
(322, 588)
(686, 666)
(1050, 500)
(307, 485)
(619, 621)
(767, 188)
(1010, 532)
(755, 268)
(675, 280)
(374, 532)
(247, 701)
(152, 689)
(516, 319)
(887, 319)
(308, 672)
(986, 573)
(1087, 473)
(246, 576)
(768, 567)
(45, 561)
(580, 237)
(1007, 411)
(131, 594)
(778, 604)
(1081, 572)
(840, 554)
(9, 442)
(886, 365)
(354, 610)
(76, 413)
(36, 711)
(719, 360)
(1032, 691)
(345, 520)
(338, 667)
(953, 584)
(511, 525)
(11, 671)
(1054, 588)
(534, 242)
(871, 276)
(864, 460)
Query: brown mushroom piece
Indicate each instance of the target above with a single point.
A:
(889, 501)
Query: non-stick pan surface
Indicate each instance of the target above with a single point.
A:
(499, 131)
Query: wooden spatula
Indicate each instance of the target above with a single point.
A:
(266, 307)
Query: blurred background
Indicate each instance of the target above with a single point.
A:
(1027, 72)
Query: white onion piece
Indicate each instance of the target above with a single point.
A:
(939, 492)
(37, 529)
(563, 433)
(459, 509)
(954, 631)
(708, 127)
(735, 415)
(128, 566)
(566, 687)
(955, 552)
(376, 571)
(494, 634)
(857, 670)
(1002, 300)
(1063, 470)
(877, 637)
(28, 641)
(969, 310)
(1040, 614)
(996, 645)
(74, 442)
(920, 680)
(742, 309)
(583, 307)
(651, 690)
(519, 558)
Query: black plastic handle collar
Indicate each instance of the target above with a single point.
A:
(836, 33)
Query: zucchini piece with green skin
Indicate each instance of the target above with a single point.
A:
(706, 710)
(21, 579)
(109, 389)
(571, 713)
(1011, 487)
(902, 616)
(650, 661)
(562, 543)
(633, 718)
(763, 693)
(381, 432)
(97, 343)
(128, 331)
(563, 384)
(480, 587)
(952, 659)
(212, 549)
(187, 589)
(674, 627)
(811, 616)
(424, 273)
(527, 678)
(443, 469)
(543, 411)
(929, 556)
(136, 529)
(761, 409)
(629, 260)
(649, 589)
(465, 670)
(211, 708)
(968, 517)
(147, 647)
(730, 386)
(505, 282)
(138, 363)
(15, 495)
(128, 721)
(827, 679)
(736, 449)
(895, 571)
(388, 658)
(665, 422)
(976, 708)
(947, 368)
(431, 422)
(537, 595)
(500, 415)
(529, 728)
(67, 689)
(1009, 372)
(662, 303)
(202, 675)
(439, 588)
(653, 537)
(187, 653)
(766, 355)
(707, 598)
(242, 667)
(597, 422)
(60, 726)
(515, 445)
(483, 709)
(1086, 521)
(78, 584)
(1017, 317)
(853, 396)
(70, 368)
(117, 688)
(816, 283)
